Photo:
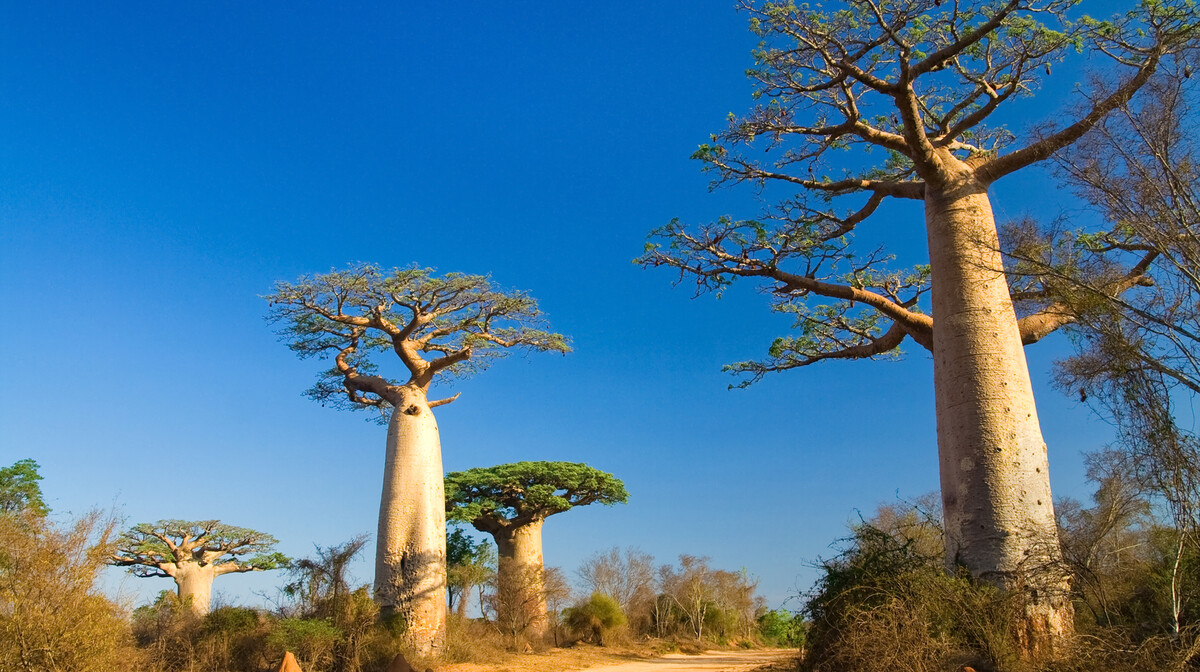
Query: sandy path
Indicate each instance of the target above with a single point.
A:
(709, 661)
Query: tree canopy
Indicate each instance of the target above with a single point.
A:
(453, 325)
(19, 489)
(154, 549)
(878, 101)
(469, 563)
(522, 492)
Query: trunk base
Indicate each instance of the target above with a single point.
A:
(1043, 616)
(1046, 623)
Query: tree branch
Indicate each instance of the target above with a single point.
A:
(1003, 165)
(917, 325)
(234, 567)
(443, 402)
(941, 56)
(355, 382)
(1036, 326)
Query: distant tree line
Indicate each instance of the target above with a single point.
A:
(53, 616)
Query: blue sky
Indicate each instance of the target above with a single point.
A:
(161, 166)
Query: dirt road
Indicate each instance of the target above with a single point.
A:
(709, 661)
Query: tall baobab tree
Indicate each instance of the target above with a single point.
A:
(437, 327)
(919, 82)
(194, 553)
(511, 502)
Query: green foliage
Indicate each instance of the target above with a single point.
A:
(143, 547)
(524, 491)
(593, 619)
(782, 628)
(469, 563)
(360, 313)
(343, 637)
(230, 620)
(460, 547)
(311, 640)
(19, 489)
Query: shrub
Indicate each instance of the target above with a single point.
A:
(52, 616)
(593, 619)
(310, 639)
(782, 628)
(232, 638)
(230, 621)
(166, 631)
(470, 641)
(883, 605)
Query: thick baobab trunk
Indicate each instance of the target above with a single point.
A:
(410, 561)
(521, 577)
(194, 582)
(999, 517)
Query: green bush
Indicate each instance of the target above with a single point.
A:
(231, 638)
(782, 628)
(311, 640)
(230, 621)
(593, 619)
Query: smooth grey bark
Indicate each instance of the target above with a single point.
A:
(410, 558)
(999, 517)
(521, 572)
(194, 581)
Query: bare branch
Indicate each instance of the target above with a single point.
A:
(1041, 150)
(443, 402)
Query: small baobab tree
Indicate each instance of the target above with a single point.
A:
(194, 553)
(438, 327)
(511, 502)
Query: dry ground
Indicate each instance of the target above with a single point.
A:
(592, 659)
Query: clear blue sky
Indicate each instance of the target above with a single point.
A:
(161, 165)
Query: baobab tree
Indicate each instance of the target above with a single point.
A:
(511, 502)
(919, 82)
(438, 327)
(194, 553)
